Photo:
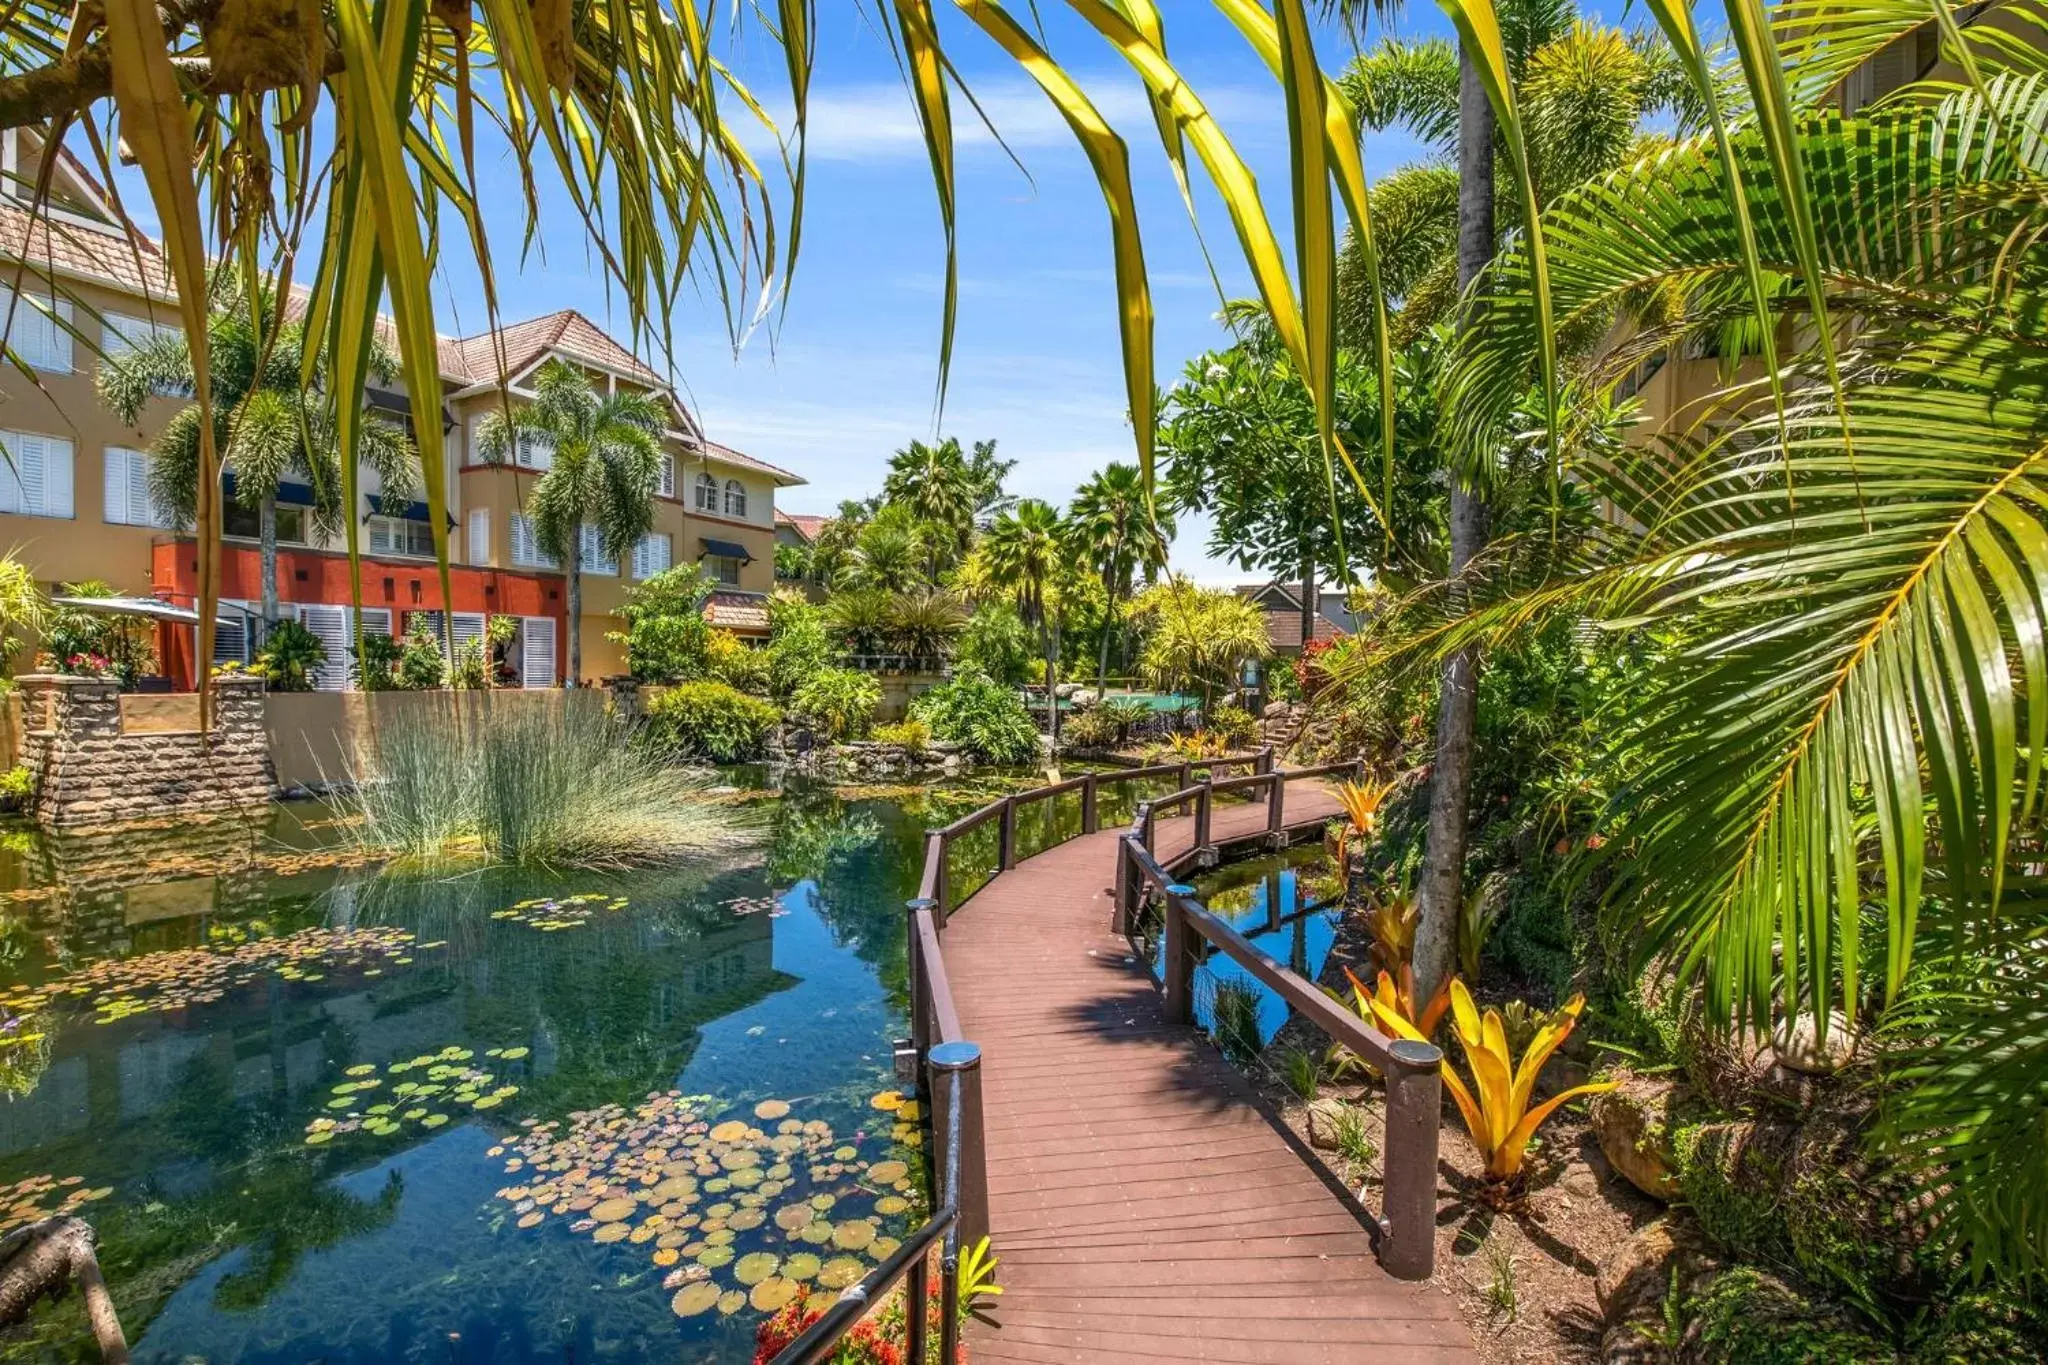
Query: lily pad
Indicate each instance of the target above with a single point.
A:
(771, 1109)
(888, 1099)
(802, 1266)
(794, 1217)
(840, 1272)
(693, 1299)
(853, 1234)
(730, 1302)
(772, 1294)
(613, 1210)
(732, 1130)
(611, 1232)
(715, 1256)
(755, 1267)
(887, 1172)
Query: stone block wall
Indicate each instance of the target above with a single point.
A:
(92, 769)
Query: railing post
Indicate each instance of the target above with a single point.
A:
(957, 1066)
(1204, 854)
(1120, 909)
(1414, 1110)
(1187, 777)
(1276, 812)
(940, 880)
(920, 1012)
(1264, 763)
(1089, 820)
(1179, 965)
(1006, 835)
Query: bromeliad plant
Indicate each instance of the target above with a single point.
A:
(1361, 802)
(1496, 1106)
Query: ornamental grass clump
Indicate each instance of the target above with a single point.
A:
(552, 783)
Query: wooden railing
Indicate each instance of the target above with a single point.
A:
(948, 1066)
(1407, 1216)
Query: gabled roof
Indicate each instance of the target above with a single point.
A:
(474, 359)
(727, 455)
(802, 523)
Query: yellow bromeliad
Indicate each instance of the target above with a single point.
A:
(1496, 1109)
(1398, 999)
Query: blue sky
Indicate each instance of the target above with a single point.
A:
(848, 375)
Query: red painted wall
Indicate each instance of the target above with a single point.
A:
(321, 578)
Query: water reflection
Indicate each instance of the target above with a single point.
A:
(227, 1237)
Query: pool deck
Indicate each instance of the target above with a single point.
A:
(1143, 1202)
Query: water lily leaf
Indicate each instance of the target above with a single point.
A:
(771, 1109)
(613, 1210)
(794, 1217)
(888, 1099)
(433, 1120)
(882, 1248)
(802, 1266)
(666, 1256)
(731, 1302)
(732, 1130)
(771, 1294)
(746, 1220)
(889, 1205)
(693, 1299)
(611, 1232)
(755, 1267)
(840, 1272)
(715, 1256)
(363, 1070)
(513, 1054)
(532, 1220)
(853, 1234)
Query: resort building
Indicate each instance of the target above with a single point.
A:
(75, 505)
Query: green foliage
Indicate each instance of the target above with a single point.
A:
(1352, 1137)
(839, 701)
(1235, 1011)
(913, 735)
(100, 642)
(1302, 1072)
(995, 642)
(713, 720)
(1747, 1315)
(289, 656)
(1238, 727)
(17, 785)
(980, 714)
(738, 665)
(373, 668)
(24, 611)
(421, 665)
(666, 637)
(792, 563)
(471, 671)
(1199, 637)
(799, 644)
(506, 777)
(1090, 728)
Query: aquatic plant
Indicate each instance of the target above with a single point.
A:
(1299, 1069)
(560, 784)
(550, 914)
(1496, 1107)
(1236, 1014)
(448, 1082)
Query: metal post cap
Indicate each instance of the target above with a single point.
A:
(1180, 889)
(954, 1056)
(1411, 1053)
(920, 903)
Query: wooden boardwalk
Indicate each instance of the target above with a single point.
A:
(1144, 1206)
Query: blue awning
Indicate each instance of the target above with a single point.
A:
(288, 494)
(725, 547)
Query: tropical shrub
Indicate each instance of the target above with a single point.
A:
(913, 735)
(924, 623)
(1090, 728)
(471, 671)
(421, 665)
(861, 619)
(23, 608)
(1496, 1107)
(799, 645)
(373, 667)
(17, 785)
(996, 642)
(560, 784)
(736, 664)
(706, 719)
(666, 636)
(289, 656)
(1127, 714)
(1237, 726)
(102, 644)
(839, 701)
(981, 715)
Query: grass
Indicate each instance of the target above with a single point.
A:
(1354, 1142)
(1503, 1296)
(553, 783)
(1298, 1067)
(1237, 1021)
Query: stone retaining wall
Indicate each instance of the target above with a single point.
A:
(93, 768)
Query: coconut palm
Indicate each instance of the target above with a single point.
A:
(269, 423)
(1025, 558)
(604, 470)
(1117, 528)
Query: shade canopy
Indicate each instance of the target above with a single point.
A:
(155, 608)
(725, 547)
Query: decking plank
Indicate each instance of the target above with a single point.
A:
(1145, 1206)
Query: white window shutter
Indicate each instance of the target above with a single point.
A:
(668, 476)
(537, 655)
(330, 626)
(469, 625)
(57, 478)
(116, 503)
(479, 535)
(376, 621)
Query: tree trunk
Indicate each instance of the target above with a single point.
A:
(266, 558)
(1450, 780)
(1308, 598)
(1049, 634)
(1108, 629)
(574, 563)
(41, 1261)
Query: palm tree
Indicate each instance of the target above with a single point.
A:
(268, 421)
(1199, 637)
(604, 471)
(1025, 554)
(889, 553)
(934, 483)
(1114, 523)
(924, 622)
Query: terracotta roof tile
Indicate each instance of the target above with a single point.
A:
(805, 525)
(103, 254)
(728, 455)
(566, 330)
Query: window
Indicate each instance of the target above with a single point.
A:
(247, 523)
(400, 536)
(707, 493)
(536, 651)
(36, 332)
(526, 551)
(735, 498)
(479, 535)
(651, 555)
(38, 483)
(666, 480)
(724, 568)
(120, 334)
(535, 451)
(591, 555)
(126, 501)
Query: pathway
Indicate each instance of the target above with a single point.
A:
(1143, 1204)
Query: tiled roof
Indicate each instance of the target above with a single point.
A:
(737, 610)
(1283, 628)
(473, 357)
(130, 263)
(727, 455)
(802, 523)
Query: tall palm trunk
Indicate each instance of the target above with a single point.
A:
(573, 561)
(1450, 784)
(1308, 598)
(1108, 629)
(266, 558)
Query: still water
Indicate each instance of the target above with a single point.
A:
(1289, 905)
(319, 1113)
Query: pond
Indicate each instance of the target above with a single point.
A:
(316, 1112)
